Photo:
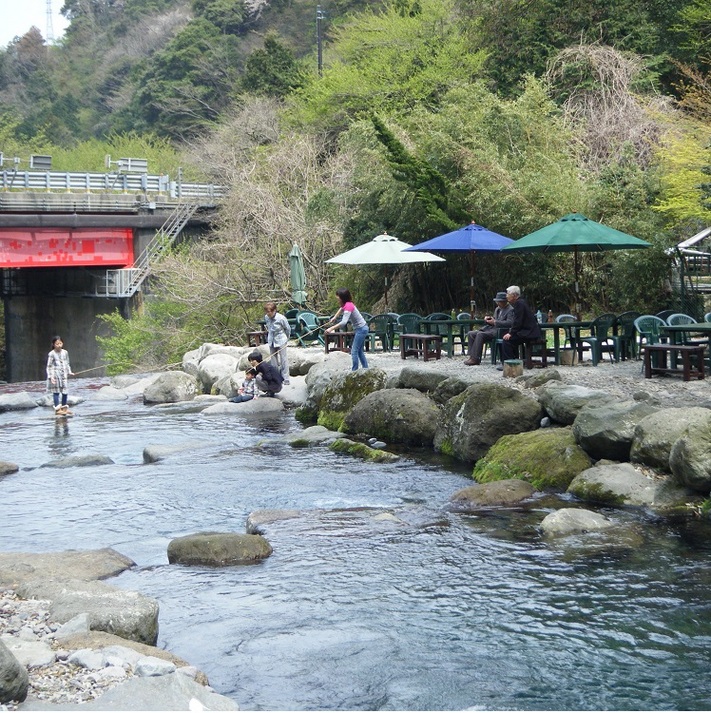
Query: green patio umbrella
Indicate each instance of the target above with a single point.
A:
(575, 233)
(298, 276)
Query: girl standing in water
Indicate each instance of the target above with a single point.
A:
(58, 373)
(360, 327)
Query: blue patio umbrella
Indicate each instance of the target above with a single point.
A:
(470, 239)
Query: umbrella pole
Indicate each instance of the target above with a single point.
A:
(472, 302)
(577, 287)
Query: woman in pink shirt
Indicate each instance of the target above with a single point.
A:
(349, 311)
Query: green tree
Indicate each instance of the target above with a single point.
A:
(684, 158)
(187, 84)
(521, 36)
(272, 70)
(388, 63)
(228, 15)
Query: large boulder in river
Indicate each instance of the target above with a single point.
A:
(191, 362)
(344, 392)
(319, 376)
(473, 421)
(170, 388)
(218, 549)
(302, 360)
(117, 611)
(20, 401)
(546, 458)
(690, 456)
(606, 430)
(19, 567)
(621, 484)
(563, 402)
(7, 468)
(655, 434)
(449, 387)
(421, 378)
(14, 680)
(395, 415)
(502, 493)
(570, 521)
(215, 367)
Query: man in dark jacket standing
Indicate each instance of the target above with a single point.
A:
(525, 326)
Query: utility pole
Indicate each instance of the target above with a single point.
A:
(319, 17)
(49, 29)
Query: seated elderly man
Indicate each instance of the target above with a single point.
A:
(524, 327)
(503, 315)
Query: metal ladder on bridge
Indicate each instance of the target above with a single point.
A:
(125, 282)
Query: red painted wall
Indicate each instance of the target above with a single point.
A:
(52, 247)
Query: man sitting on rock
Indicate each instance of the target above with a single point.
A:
(503, 316)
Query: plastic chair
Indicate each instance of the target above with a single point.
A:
(627, 334)
(308, 328)
(665, 313)
(440, 329)
(409, 323)
(571, 333)
(461, 334)
(680, 318)
(647, 327)
(707, 317)
(600, 338)
(381, 327)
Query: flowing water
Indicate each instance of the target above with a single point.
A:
(433, 611)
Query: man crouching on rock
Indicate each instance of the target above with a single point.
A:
(269, 380)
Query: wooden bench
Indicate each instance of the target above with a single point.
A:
(337, 341)
(427, 345)
(687, 352)
(254, 339)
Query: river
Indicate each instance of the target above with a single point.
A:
(438, 611)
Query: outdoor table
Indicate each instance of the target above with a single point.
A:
(556, 328)
(438, 326)
(338, 341)
(676, 333)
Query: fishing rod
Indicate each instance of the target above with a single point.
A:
(146, 371)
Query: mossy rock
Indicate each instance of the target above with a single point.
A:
(344, 392)
(218, 549)
(306, 415)
(360, 450)
(547, 458)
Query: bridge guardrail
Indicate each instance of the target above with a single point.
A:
(57, 181)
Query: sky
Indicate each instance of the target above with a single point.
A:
(17, 16)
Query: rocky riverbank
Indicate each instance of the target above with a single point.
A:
(61, 676)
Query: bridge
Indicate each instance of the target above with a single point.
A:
(77, 245)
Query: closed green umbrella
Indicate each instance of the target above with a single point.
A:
(298, 276)
(575, 233)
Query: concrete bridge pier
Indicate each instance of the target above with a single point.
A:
(31, 320)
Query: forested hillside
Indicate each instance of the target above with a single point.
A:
(428, 114)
